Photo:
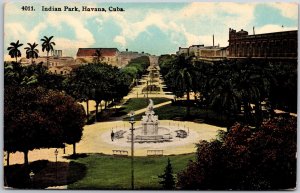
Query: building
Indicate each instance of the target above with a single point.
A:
(277, 45)
(55, 60)
(205, 52)
(63, 70)
(58, 64)
(183, 51)
(107, 55)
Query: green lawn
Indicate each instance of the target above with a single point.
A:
(134, 104)
(109, 172)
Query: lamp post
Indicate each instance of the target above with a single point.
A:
(131, 121)
(31, 175)
(147, 89)
(56, 153)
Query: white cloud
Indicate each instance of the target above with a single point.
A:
(99, 23)
(120, 40)
(34, 35)
(14, 30)
(83, 37)
(289, 10)
(175, 23)
(273, 28)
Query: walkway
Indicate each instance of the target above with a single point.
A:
(155, 106)
(136, 91)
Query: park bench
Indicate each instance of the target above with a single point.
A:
(181, 133)
(119, 134)
(155, 152)
(199, 120)
(120, 152)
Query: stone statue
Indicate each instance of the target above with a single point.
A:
(150, 106)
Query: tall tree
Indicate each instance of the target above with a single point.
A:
(182, 77)
(31, 51)
(70, 117)
(48, 46)
(14, 51)
(167, 178)
(224, 96)
(38, 118)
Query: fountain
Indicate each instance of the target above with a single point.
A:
(150, 131)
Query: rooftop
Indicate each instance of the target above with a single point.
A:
(92, 51)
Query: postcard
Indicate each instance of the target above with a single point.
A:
(150, 96)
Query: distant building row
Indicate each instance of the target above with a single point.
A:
(59, 64)
(108, 55)
(277, 45)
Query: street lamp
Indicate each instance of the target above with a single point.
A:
(147, 89)
(31, 175)
(56, 153)
(131, 121)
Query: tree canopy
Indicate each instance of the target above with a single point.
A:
(246, 159)
(37, 118)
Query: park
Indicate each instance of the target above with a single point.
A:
(161, 122)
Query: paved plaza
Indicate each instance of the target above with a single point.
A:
(96, 139)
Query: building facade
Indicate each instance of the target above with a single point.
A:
(204, 52)
(88, 55)
(277, 45)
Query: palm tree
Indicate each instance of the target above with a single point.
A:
(31, 51)
(224, 94)
(48, 46)
(14, 52)
(184, 72)
(97, 56)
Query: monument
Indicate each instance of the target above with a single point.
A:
(150, 130)
(150, 121)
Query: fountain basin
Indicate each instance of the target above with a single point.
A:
(163, 135)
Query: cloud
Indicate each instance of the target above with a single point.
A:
(34, 35)
(273, 28)
(83, 37)
(188, 22)
(14, 30)
(120, 40)
(99, 23)
(289, 10)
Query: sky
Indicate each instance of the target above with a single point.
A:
(154, 28)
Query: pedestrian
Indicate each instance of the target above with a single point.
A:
(112, 135)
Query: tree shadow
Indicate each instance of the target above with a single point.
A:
(46, 174)
(76, 156)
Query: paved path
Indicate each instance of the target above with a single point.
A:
(155, 106)
(136, 91)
